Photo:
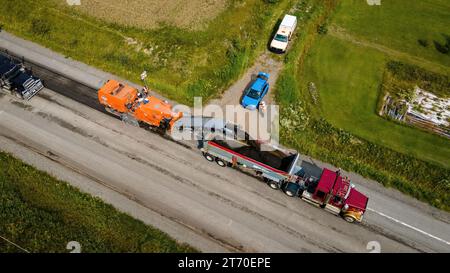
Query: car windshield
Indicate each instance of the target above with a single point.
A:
(281, 38)
(253, 94)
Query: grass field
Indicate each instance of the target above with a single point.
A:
(42, 214)
(192, 14)
(399, 25)
(181, 63)
(349, 93)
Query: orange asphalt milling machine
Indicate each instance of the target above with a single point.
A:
(137, 108)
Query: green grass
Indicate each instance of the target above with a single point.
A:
(399, 24)
(181, 63)
(349, 95)
(43, 214)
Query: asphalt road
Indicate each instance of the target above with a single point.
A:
(171, 186)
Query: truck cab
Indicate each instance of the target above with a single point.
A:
(117, 97)
(17, 80)
(330, 191)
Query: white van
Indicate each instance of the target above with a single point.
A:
(284, 34)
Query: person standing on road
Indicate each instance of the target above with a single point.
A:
(262, 107)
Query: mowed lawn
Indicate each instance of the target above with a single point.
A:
(399, 24)
(348, 79)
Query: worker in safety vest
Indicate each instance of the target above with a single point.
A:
(145, 91)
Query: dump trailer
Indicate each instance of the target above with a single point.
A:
(17, 80)
(282, 169)
(137, 107)
(274, 164)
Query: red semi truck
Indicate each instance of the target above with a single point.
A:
(283, 169)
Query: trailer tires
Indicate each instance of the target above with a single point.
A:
(221, 163)
(209, 157)
(291, 189)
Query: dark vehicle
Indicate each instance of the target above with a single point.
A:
(17, 80)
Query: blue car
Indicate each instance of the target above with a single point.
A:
(256, 92)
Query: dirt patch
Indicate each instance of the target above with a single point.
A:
(265, 63)
(268, 63)
(191, 14)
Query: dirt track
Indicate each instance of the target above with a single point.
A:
(232, 96)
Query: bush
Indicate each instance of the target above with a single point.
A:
(322, 29)
(423, 42)
(443, 48)
(40, 27)
(430, 81)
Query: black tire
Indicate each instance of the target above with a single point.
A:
(349, 219)
(291, 189)
(289, 193)
(221, 163)
(209, 157)
(274, 185)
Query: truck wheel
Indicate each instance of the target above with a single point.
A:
(274, 185)
(221, 163)
(289, 193)
(209, 157)
(291, 189)
(349, 219)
